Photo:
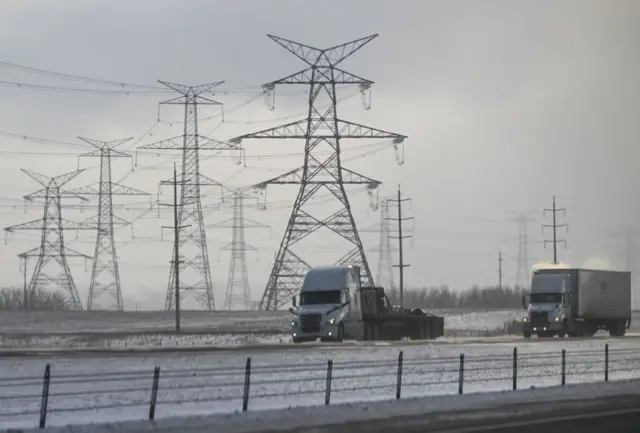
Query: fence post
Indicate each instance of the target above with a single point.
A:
(564, 367)
(247, 383)
(154, 393)
(399, 383)
(515, 368)
(461, 375)
(327, 392)
(606, 362)
(45, 395)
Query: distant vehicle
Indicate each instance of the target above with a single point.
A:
(334, 306)
(577, 303)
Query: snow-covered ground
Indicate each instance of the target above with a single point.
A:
(144, 341)
(387, 415)
(137, 330)
(116, 388)
(62, 322)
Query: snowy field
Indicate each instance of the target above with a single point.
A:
(110, 388)
(65, 322)
(200, 329)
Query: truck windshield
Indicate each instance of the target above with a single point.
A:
(546, 298)
(320, 297)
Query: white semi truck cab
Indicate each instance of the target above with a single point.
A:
(328, 306)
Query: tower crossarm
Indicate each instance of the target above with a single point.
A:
(238, 246)
(39, 225)
(321, 128)
(331, 56)
(321, 75)
(294, 177)
(94, 222)
(203, 143)
(192, 91)
(111, 153)
(48, 182)
(45, 193)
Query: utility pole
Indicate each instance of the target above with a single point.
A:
(401, 265)
(176, 262)
(500, 260)
(323, 131)
(555, 227)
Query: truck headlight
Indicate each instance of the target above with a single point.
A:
(331, 321)
(557, 319)
(294, 323)
(526, 319)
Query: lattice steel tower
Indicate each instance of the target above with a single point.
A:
(384, 271)
(195, 272)
(52, 250)
(523, 270)
(238, 289)
(105, 274)
(322, 131)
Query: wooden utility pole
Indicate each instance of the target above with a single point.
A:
(555, 227)
(176, 235)
(401, 265)
(500, 260)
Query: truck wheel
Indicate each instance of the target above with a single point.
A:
(297, 340)
(340, 336)
(527, 334)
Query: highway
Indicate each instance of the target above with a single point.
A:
(622, 421)
(607, 414)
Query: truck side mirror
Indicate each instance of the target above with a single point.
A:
(294, 301)
(525, 301)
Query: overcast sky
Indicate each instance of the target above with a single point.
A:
(504, 104)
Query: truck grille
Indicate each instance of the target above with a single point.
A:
(310, 322)
(539, 318)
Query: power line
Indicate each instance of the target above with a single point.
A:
(322, 128)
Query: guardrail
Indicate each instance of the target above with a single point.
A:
(64, 398)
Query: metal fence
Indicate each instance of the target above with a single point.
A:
(81, 397)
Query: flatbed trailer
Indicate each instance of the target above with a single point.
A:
(383, 322)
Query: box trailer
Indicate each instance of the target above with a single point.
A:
(577, 302)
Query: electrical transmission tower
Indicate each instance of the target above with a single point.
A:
(554, 210)
(238, 290)
(52, 250)
(105, 274)
(322, 131)
(195, 269)
(384, 249)
(523, 269)
(384, 271)
(401, 265)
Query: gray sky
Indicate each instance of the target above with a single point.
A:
(505, 104)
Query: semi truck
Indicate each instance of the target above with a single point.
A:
(334, 306)
(577, 303)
